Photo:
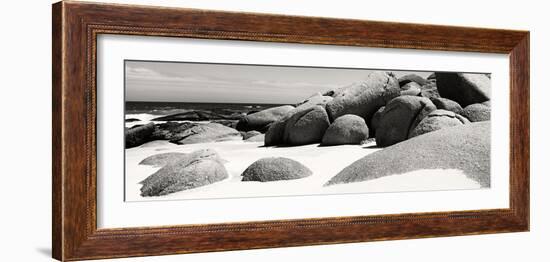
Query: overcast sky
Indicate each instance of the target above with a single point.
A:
(225, 83)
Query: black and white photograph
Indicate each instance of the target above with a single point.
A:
(198, 130)
(275, 131)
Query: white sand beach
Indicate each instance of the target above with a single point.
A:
(324, 162)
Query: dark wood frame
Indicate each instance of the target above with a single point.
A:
(76, 26)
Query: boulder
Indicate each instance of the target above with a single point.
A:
(258, 138)
(447, 104)
(347, 129)
(466, 89)
(274, 169)
(477, 112)
(411, 78)
(316, 99)
(203, 133)
(276, 133)
(196, 169)
(160, 160)
(436, 120)
(365, 97)
(487, 103)
(401, 116)
(410, 89)
(375, 121)
(260, 121)
(429, 90)
(138, 135)
(306, 126)
(463, 147)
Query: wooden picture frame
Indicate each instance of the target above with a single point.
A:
(76, 26)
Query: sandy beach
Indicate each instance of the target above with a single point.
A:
(325, 162)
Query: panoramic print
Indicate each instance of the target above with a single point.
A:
(207, 130)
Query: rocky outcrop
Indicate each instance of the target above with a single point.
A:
(199, 168)
(274, 169)
(365, 97)
(477, 112)
(260, 121)
(138, 135)
(436, 120)
(463, 147)
(400, 117)
(347, 129)
(466, 89)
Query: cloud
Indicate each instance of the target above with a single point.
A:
(291, 85)
(145, 75)
(140, 72)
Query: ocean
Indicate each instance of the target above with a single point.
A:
(145, 111)
(168, 108)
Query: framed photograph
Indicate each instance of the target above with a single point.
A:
(183, 130)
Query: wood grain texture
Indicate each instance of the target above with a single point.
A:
(57, 195)
(76, 27)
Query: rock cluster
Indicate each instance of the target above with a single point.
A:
(380, 106)
(423, 123)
